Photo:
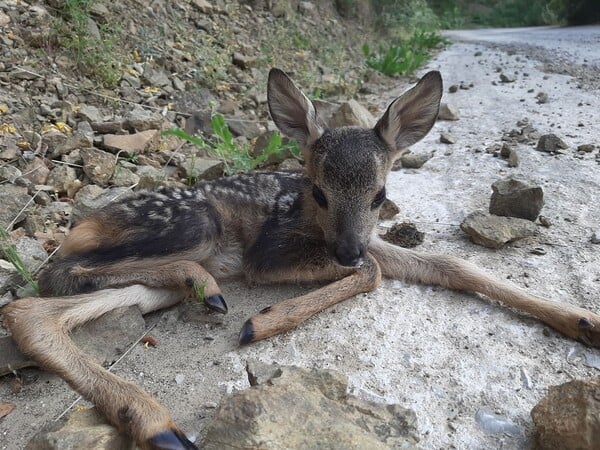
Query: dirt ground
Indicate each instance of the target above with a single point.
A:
(449, 356)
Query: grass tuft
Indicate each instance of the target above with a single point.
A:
(236, 158)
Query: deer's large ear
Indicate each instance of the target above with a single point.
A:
(410, 117)
(291, 110)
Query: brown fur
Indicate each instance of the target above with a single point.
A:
(318, 226)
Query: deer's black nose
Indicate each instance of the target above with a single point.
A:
(349, 253)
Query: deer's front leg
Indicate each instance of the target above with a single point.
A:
(290, 313)
(455, 273)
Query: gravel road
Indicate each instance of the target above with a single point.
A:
(454, 358)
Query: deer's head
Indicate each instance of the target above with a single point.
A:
(348, 166)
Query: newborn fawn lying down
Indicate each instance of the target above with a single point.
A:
(277, 227)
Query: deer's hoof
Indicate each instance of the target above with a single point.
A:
(247, 333)
(171, 440)
(589, 333)
(216, 303)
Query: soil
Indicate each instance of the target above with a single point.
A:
(453, 358)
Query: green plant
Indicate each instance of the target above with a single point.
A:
(10, 253)
(405, 57)
(394, 60)
(199, 289)
(95, 52)
(236, 158)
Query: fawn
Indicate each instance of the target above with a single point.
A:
(276, 227)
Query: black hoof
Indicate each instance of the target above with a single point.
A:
(216, 303)
(171, 440)
(247, 333)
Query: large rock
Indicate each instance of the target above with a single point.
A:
(98, 165)
(63, 178)
(140, 119)
(308, 409)
(81, 429)
(448, 112)
(12, 204)
(352, 113)
(515, 197)
(141, 142)
(569, 416)
(551, 143)
(495, 231)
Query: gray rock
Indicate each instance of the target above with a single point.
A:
(352, 113)
(415, 160)
(12, 204)
(290, 165)
(586, 148)
(151, 177)
(513, 158)
(203, 6)
(48, 217)
(492, 423)
(515, 197)
(551, 143)
(92, 197)
(76, 141)
(36, 171)
(178, 84)
(9, 173)
(107, 337)
(90, 114)
(81, 429)
(242, 61)
(124, 177)
(98, 165)
(9, 277)
(63, 178)
(54, 140)
(199, 122)
(542, 98)
(448, 112)
(156, 77)
(31, 251)
(141, 119)
(504, 78)
(447, 138)
(141, 142)
(247, 128)
(596, 237)
(567, 418)
(290, 407)
(495, 231)
(307, 9)
(202, 169)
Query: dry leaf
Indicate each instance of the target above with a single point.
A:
(6, 409)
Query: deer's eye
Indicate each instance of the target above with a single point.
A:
(319, 197)
(379, 199)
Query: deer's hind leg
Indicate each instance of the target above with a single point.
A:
(455, 273)
(40, 327)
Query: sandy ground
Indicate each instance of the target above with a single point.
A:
(449, 356)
